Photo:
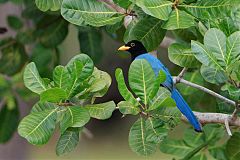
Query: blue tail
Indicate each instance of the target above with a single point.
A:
(185, 109)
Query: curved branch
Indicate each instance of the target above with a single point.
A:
(113, 6)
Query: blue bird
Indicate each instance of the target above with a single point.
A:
(138, 51)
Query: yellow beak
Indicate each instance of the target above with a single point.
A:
(124, 48)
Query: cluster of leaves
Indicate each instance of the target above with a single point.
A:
(207, 42)
(152, 104)
(66, 100)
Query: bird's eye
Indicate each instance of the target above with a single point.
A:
(132, 44)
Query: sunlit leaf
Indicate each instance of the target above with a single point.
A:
(38, 127)
(127, 108)
(45, 5)
(101, 111)
(53, 95)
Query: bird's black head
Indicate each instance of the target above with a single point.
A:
(135, 47)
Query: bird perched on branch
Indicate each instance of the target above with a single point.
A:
(138, 51)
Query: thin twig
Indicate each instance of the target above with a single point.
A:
(206, 90)
(110, 4)
(227, 126)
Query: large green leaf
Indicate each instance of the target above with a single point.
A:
(95, 13)
(156, 131)
(233, 48)
(54, 95)
(162, 98)
(32, 79)
(52, 30)
(9, 117)
(101, 111)
(213, 75)
(205, 56)
(90, 43)
(38, 127)
(159, 9)
(45, 5)
(67, 142)
(138, 139)
(148, 30)
(206, 9)
(215, 41)
(80, 68)
(126, 94)
(233, 147)
(175, 147)
(61, 77)
(127, 108)
(74, 116)
(179, 20)
(141, 79)
(43, 106)
(182, 56)
(12, 54)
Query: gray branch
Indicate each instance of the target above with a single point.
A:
(220, 118)
(181, 80)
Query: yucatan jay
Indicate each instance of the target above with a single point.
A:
(138, 51)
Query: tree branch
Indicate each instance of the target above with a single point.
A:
(205, 118)
(110, 4)
(181, 80)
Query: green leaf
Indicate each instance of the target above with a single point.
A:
(206, 9)
(14, 22)
(101, 111)
(67, 142)
(51, 31)
(159, 80)
(141, 78)
(175, 147)
(127, 108)
(156, 131)
(43, 58)
(53, 95)
(199, 157)
(205, 56)
(80, 68)
(148, 30)
(182, 56)
(100, 83)
(61, 77)
(156, 8)
(162, 98)
(218, 153)
(193, 138)
(233, 147)
(215, 41)
(9, 117)
(233, 48)
(138, 139)
(38, 127)
(213, 75)
(123, 3)
(95, 13)
(32, 79)
(90, 43)
(179, 20)
(45, 5)
(126, 94)
(43, 106)
(74, 116)
(12, 54)
(213, 133)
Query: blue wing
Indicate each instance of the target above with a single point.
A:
(180, 102)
